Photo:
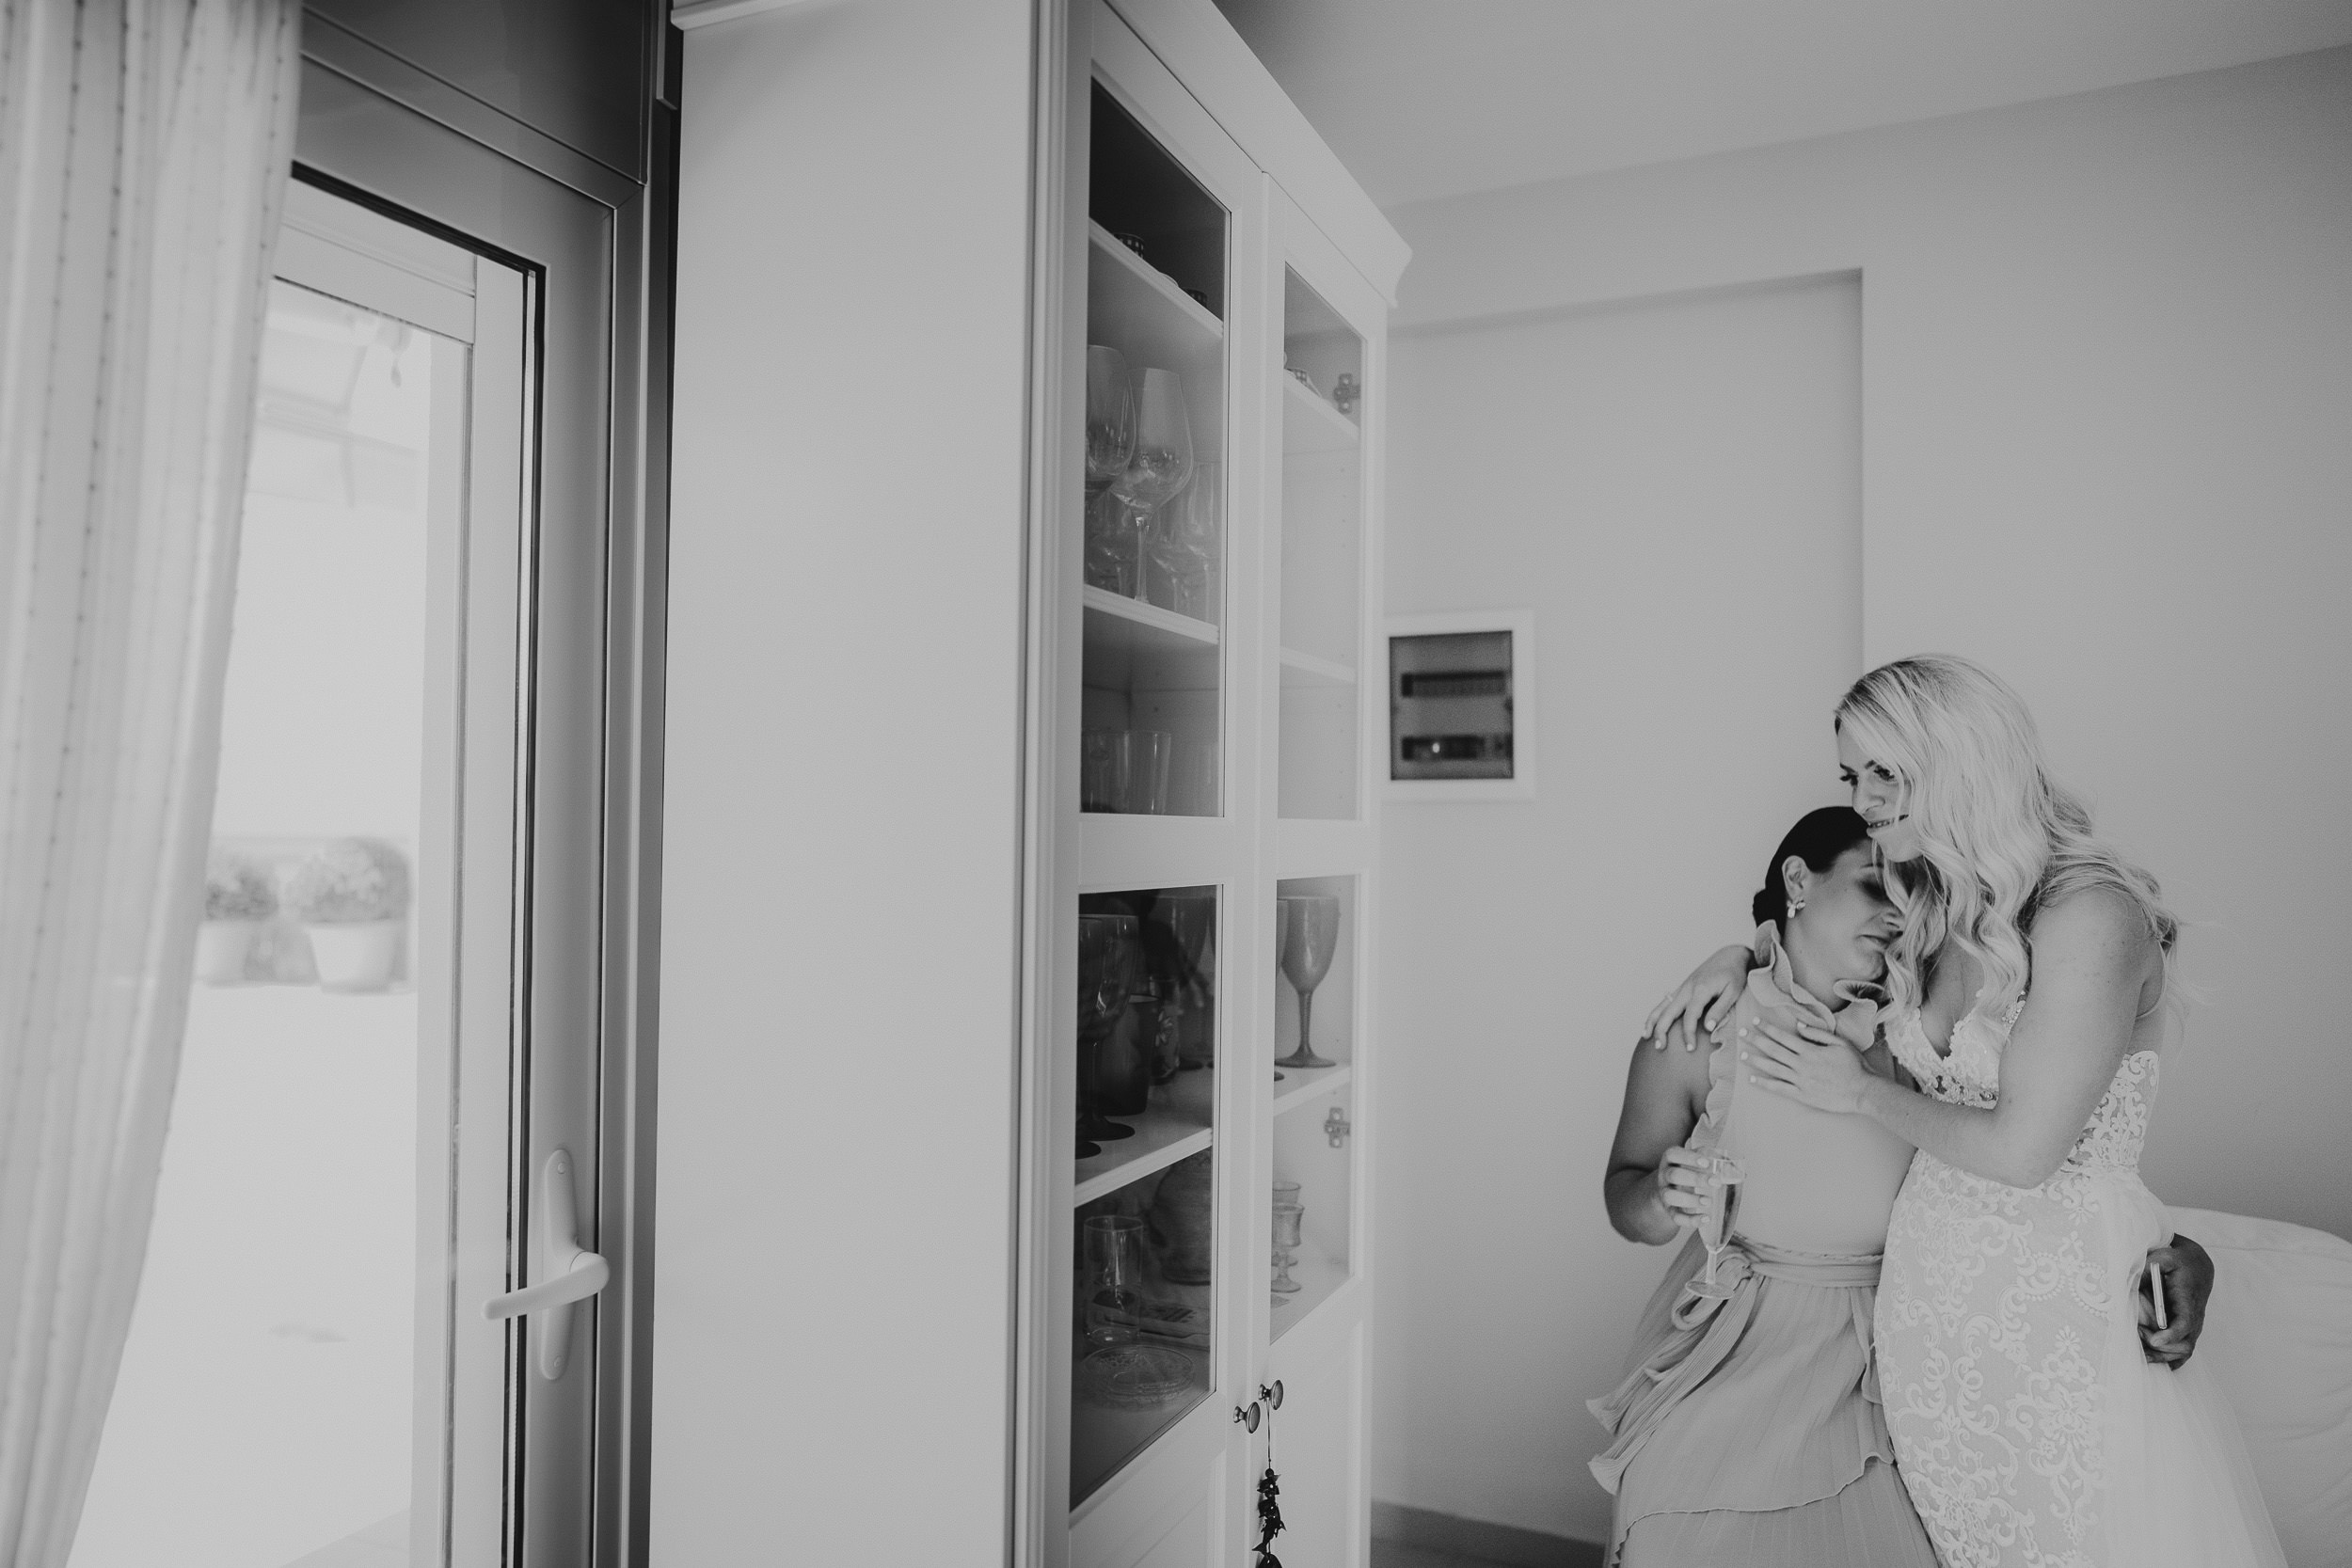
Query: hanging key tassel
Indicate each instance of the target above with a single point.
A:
(1269, 1502)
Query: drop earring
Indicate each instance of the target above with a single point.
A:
(1794, 905)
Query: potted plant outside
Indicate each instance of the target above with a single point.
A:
(238, 897)
(351, 897)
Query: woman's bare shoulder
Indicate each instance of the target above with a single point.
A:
(2090, 920)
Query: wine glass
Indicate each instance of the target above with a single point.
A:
(1111, 562)
(1191, 922)
(1286, 1243)
(1161, 464)
(1180, 550)
(1105, 957)
(1313, 924)
(1281, 948)
(1725, 1176)
(1110, 417)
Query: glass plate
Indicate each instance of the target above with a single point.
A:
(1138, 1376)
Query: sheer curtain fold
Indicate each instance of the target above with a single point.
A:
(144, 145)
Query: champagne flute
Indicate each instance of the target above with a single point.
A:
(1114, 1245)
(1161, 464)
(1313, 924)
(1725, 1176)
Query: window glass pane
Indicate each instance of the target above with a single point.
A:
(264, 1409)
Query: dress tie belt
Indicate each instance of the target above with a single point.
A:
(1709, 1322)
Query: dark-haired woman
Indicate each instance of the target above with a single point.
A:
(1749, 1428)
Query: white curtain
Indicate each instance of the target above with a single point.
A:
(144, 145)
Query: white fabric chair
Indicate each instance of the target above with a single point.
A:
(2279, 1338)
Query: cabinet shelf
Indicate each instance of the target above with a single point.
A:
(1319, 1277)
(1174, 1126)
(1304, 669)
(1166, 630)
(1302, 1084)
(1310, 424)
(1161, 324)
(1132, 643)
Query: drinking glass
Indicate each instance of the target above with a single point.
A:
(1149, 755)
(1114, 1251)
(1285, 1192)
(1161, 464)
(1110, 417)
(1193, 790)
(1286, 1218)
(1106, 946)
(1313, 924)
(1717, 1220)
(1101, 769)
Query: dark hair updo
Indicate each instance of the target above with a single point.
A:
(1820, 837)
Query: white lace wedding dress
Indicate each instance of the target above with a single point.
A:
(2029, 1429)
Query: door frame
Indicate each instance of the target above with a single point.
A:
(603, 257)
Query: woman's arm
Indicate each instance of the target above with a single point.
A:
(2092, 958)
(1651, 1190)
(1697, 1007)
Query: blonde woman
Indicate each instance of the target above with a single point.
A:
(2027, 1001)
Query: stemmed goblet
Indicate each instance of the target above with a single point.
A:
(1312, 922)
(1161, 464)
(1281, 948)
(1106, 946)
(1286, 1243)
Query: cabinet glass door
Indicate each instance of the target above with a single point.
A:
(1156, 479)
(1322, 532)
(1315, 1040)
(1144, 1236)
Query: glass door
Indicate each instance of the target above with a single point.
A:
(1156, 478)
(1322, 532)
(1146, 1335)
(370, 1152)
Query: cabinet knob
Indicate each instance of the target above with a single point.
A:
(1248, 1417)
(1273, 1396)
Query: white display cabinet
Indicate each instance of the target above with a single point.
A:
(1213, 305)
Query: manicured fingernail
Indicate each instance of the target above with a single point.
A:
(1743, 1055)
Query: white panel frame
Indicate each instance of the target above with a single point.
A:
(1520, 623)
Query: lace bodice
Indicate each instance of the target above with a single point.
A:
(1971, 1075)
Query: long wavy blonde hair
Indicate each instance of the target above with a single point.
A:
(2000, 838)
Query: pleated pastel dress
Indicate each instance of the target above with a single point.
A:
(1748, 1431)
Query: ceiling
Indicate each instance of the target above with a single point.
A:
(1430, 98)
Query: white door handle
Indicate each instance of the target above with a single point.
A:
(568, 1271)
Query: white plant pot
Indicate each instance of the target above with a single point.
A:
(357, 955)
(223, 948)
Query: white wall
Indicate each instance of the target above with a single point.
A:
(834, 1299)
(2105, 371)
(1674, 488)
